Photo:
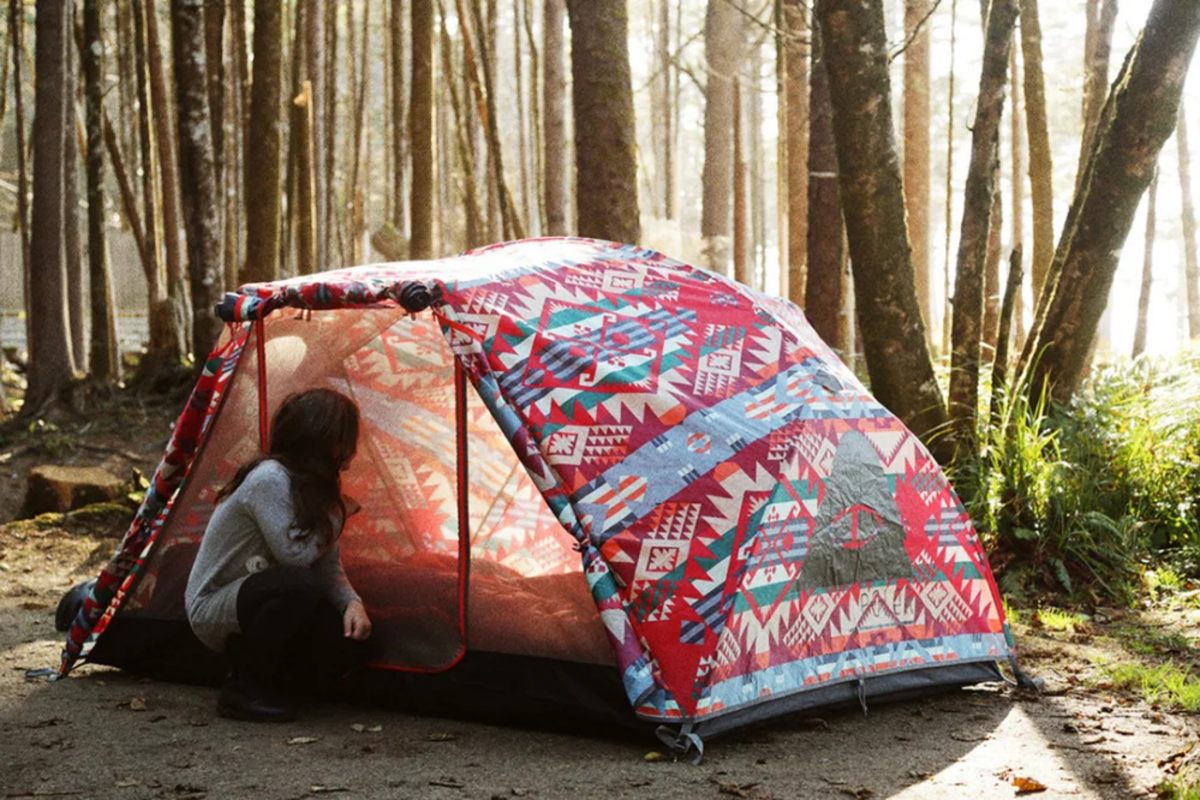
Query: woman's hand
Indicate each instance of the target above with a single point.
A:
(355, 622)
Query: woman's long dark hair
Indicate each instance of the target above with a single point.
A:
(314, 435)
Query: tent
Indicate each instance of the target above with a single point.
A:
(593, 477)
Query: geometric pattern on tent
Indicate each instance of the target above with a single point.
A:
(751, 522)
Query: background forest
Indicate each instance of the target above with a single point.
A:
(985, 208)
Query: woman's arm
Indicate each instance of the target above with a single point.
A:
(355, 622)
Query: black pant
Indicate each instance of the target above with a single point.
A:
(292, 636)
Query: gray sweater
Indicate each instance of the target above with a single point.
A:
(251, 530)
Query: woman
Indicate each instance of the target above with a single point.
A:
(267, 586)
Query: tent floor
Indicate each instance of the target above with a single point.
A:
(506, 689)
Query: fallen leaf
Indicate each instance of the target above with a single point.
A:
(358, 727)
(442, 737)
(30, 605)
(1027, 785)
(125, 783)
(303, 739)
(138, 704)
(375, 729)
(654, 755)
(317, 788)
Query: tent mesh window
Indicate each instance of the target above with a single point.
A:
(525, 594)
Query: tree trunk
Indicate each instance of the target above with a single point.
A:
(742, 270)
(328, 209)
(51, 367)
(554, 118)
(16, 28)
(1017, 165)
(398, 115)
(722, 52)
(1188, 213)
(1098, 51)
(510, 221)
(167, 341)
(105, 363)
(855, 45)
(522, 111)
(473, 213)
(168, 160)
(1041, 169)
(606, 169)
(301, 142)
(662, 116)
(1143, 307)
(795, 31)
(1137, 119)
(991, 267)
(197, 181)
(421, 130)
(947, 311)
(315, 92)
(535, 83)
(263, 146)
(214, 46)
(917, 124)
(978, 204)
(72, 241)
(826, 235)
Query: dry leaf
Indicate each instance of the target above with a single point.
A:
(358, 727)
(442, 737)
(654, 755)
(1028, 785)
(317, 788)
(303, 740)
(125, 783)
(137, 704)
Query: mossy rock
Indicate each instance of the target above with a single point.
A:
(52, 488)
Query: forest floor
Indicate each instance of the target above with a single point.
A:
(104, 733)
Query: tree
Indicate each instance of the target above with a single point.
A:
(606, 170)
(1143, 307)
(399, 130)
(420, 130)
(197, 178)
(1041, 167)
(554, 118)
(1191, 264)
(722, 53)
(826, 235)
(73, 244)
(1097, 53)
(263, 147)
(51, 365)
(978, 203)
(105, 361)
(1136, 121)
(16, 23)
(168, 160)
(797, 114)
(168, 340)
(917, 125)
(856, 59)
(662, 118)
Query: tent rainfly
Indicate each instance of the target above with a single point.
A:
(593, 478)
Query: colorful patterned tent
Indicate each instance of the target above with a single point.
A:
(757, 533)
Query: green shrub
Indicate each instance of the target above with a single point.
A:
(1073, 498)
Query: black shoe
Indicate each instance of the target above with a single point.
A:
(237, 701)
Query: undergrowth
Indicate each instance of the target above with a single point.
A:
(1084, 499)
(1162, 684)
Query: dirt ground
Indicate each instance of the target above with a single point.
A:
(106, 734)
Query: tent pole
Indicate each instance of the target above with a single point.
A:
(260, 342)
